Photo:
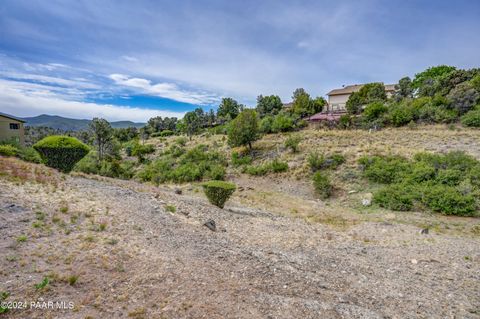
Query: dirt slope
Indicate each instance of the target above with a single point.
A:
(146, 262)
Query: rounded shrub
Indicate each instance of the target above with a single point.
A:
(448, 201)
(422, 172)
(385, 170)
(322, 185)
(61, 152)
(167, 133)
(278, 166)
(282, 123)
(401, 115)
(266, 124)
(443, 115)
(292, 142)
(374, 110)
(8, 150)
(218, 192)
(395, 197)
(472, 118)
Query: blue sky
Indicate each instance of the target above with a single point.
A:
(130, 60)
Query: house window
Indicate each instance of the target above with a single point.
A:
(14, 126)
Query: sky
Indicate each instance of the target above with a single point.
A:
(132, 60)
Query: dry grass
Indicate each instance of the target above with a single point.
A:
(291, 193)
(19, 171)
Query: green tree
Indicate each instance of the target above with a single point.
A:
(448, 81)
(228, 109)
(373, 92)
(368, 93)
(243, 130)
(211, 118)
(268, 105)
(124, 134)
(304, 105)
(463, 97)
(301, 102)
(316, 105)
(404, 88)
(373, 111)
(158, 124)
(431, 73)
(192, 123)
(438, 80)
(354, 103)
(102, 133)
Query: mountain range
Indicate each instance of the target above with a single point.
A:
(68, 124)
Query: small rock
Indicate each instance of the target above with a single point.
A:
(424, 231)
(414, 261)
(366, 202)
(211, 225)
(13, 208)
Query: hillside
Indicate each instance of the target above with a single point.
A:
(119, 243)
(68, 124)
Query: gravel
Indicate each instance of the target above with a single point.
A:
(255, 265)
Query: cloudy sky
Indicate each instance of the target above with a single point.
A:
(131, 60)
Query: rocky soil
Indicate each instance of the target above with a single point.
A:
(138, 251)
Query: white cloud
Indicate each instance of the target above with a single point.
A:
(19, 101)
(77, 83)
(165, 90)
(129, 58)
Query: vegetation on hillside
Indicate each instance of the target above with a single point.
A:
(441, 94)
(445, 183)
(182, 151)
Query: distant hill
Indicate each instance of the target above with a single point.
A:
(67, 124)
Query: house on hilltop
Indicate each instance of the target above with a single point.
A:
(11, 129)
(337, 98)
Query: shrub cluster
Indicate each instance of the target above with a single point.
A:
(163, 133)
(446, 183)
(13, 149)
(278, 123)
(140, 150)
(238, 160)
(179, 165)
(108, 167)
(8, 150)
(318, 161)
(322, 185)
(292, 142)
(275, 166)
(425, 109)
(218, 192)
(472, 118)
(61, 152)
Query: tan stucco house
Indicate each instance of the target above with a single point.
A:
(11, 128)
(337, 99)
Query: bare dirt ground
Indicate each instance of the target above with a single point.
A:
(137, 251)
